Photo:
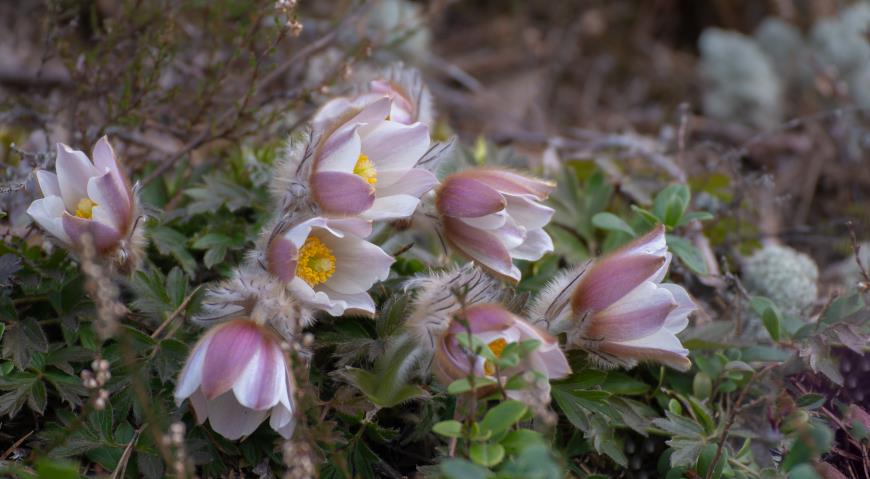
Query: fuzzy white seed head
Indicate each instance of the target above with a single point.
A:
(786, 276)
(436, 300)
(551, 309)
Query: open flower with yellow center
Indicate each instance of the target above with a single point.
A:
(496, 327)
(328, 265)
(365, 165)
(84, 197)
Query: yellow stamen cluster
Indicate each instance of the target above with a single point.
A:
(497, 347)
(316, 262)
(85, 208)
(366, 169)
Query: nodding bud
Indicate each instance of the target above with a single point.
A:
(90, 199)
(493, 216)
(618, 309)
(237, 375)
(438, 296)
(496, 328)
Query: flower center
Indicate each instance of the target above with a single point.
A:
(85, 208)
(497, 347)
(366, 169)
(316, 262)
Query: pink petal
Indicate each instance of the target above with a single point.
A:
(610, 279)
(341, 193)
(394, 146)
(281, 257)
(640, 313)
(260, 384)
(48, 183)
(105, 160)
(105, 237)
(480, 246)
(112, 202)
(508, 182)
(231, 348)
(484, 317)
(467, 198)
(74, 169)
(371, 116)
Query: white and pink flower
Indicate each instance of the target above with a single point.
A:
(366, 165)
(618, 309)
(236, 377)
(327, 264)
(86, 198)
(497, 328)
(493, 216)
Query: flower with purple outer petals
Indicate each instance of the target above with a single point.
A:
(237, 375)
(618, 309)
(86, 198)
(327, 264)
(497, 328)
(365, 165)
(493, 216)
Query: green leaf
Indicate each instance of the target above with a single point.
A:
(463, 385)
(462, 469)
(449, 428)
(38, 397)
(486, 454)
(670, 203)
(842, 308)
(623, 384)
(516, 441)
(705, 461)
(688, 254)
(47, 468)
(695, 215)
(170, 242)
(647, 217)
(500, 418)
(811, 401)
(611, 222)
(804, 471)
(21, 340)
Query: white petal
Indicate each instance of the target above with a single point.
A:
(679, 318)
(283, 422)
(232, 420)
(488, 222)
(358, 264)
(394, 146)
(191, 376)
(48, 183)
(661, 339)
(528, 213)
(537, 243)
(74, 169)
(361, 302)
(391, 207)
(354, 226)
(48, 214)
(340, 151)
(414, 182)
(299, 233)
(315, 299)
(200, 406)
(511, 235)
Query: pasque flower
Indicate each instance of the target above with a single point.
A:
(237, 376)
(87, 198)
(618, 309)
(493, 216)
(327, 264)
(497, 328)
(366, 165)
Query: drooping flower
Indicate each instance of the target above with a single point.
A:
(237, 375)
(327, 264)
(493, 216)
(497, 328)
(618, 309)
(88, 198)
